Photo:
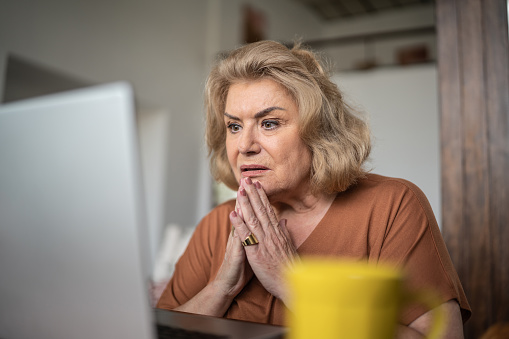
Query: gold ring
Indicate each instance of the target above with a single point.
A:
(250, 240)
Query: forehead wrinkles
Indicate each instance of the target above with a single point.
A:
(258, 95)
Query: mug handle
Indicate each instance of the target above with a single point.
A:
(431, 301)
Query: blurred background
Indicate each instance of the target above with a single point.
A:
(382, 53)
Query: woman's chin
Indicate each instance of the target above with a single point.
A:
(272, 190)
(273, 194)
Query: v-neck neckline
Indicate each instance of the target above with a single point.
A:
(316, 230)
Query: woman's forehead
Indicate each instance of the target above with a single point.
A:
(259, 93)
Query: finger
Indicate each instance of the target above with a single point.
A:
(265, 202)
(284, 229)
(254, 198)
(261, 210)
(238, 209)
(236, 242)
(250, 219)
(241, 230)
(231, 248)
(237, 205)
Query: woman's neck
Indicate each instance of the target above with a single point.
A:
(303, 215)
(304, 204)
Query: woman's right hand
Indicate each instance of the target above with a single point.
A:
(233, 275)
(235, 271)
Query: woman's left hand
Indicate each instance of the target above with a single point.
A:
(275, 249)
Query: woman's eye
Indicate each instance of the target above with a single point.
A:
(270, 124)
(234, 128)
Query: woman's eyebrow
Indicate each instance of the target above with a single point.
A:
(231, 116)
(258, 115)
(266, 111)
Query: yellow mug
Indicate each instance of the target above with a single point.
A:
(338, 299)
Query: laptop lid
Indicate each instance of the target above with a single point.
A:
(70, 218)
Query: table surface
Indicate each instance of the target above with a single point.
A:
(218, 326)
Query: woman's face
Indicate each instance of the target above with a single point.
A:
(262, 138)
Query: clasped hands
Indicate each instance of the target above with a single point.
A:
(275, 250)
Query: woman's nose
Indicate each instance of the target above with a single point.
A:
(248, 142)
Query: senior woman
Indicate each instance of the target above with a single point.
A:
(280, 133)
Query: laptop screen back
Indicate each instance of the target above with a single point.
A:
(70, 218)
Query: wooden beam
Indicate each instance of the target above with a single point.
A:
(473, 63)
(497, 108)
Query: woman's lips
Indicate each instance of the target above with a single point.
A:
(252, 170)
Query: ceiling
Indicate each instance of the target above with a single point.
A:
(337, 9)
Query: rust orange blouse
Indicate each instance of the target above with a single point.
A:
(379, 219)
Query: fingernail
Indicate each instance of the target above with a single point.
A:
(243, 192)
(248, 181)
(234, 214)
(258, 185)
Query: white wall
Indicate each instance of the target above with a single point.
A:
(153, 129)
(402, 106)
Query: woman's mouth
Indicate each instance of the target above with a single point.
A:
(252, 170)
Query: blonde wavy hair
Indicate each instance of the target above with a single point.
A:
(336, 134)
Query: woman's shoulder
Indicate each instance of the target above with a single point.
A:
(375, 182)
(375, 189)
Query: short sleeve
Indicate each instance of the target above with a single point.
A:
(413, 241)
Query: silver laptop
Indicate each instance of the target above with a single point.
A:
(73, 242)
